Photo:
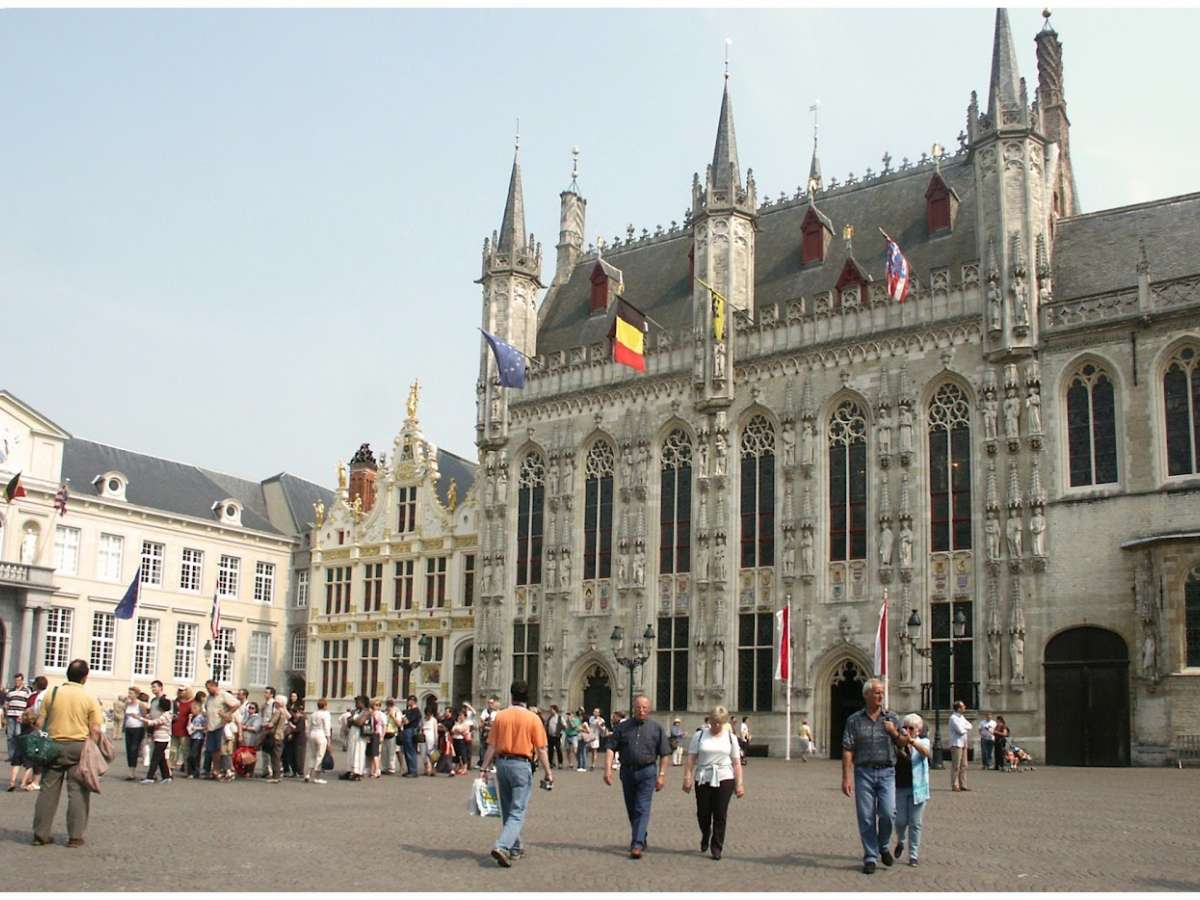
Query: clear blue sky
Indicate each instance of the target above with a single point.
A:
(234, 237)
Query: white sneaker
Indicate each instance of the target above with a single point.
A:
(147, 781)
(168, 781)
(319, 781)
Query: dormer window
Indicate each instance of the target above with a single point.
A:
(111, 485)
(941, 206)
(229, 511)
(851, 285)
(817, 233)
(606, 284)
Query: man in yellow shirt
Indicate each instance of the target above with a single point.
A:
(70, 716)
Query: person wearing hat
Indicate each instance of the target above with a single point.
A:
(677, 741)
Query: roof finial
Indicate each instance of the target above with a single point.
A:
(937, 152)
(728, 41)
(1046, 26)
(517, 139)
(814, 170)
(574, 188)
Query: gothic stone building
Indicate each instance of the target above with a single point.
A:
(1012, 454)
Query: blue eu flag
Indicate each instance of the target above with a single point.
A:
(509, 360)
(129, 602)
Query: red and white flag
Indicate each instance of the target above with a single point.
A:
(214, 620)
(881, 639)
(783, 655)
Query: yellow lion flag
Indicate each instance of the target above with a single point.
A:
(718, 310)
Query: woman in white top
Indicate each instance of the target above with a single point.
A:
(429, 730)
(320, 734)
(714, 765)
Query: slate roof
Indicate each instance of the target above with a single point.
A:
(656, 272)
(181, 488)
(1098, 252)
(453, 466)
(300, 496)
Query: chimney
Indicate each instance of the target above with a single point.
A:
(363, 469)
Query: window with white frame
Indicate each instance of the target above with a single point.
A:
(260, 658)
(186, 637)
(1181, 411)
(468, 593)
(108, 556)
(66, 550)
(404, 580)
(299, 649)
(145, 647)
(264, 582)
(58, 638)
(104, 641)
(152, 563)
(190, 569)
(227, 576)
(301, 588)
(435, 582)
(222, 659)
(408, 510)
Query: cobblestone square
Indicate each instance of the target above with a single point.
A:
(1051, 829)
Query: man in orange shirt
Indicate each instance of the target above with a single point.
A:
(516, 735)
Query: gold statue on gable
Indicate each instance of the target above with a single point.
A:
(452, 496)
(414, 396)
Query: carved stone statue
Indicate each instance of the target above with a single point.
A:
(639, 564)
(502, 485)
(1012, 414)
(719, 560)
(452, 496)
(789, 444)
(1012, 530)
(993, 655)
(552, 478)
(564, 570)
(643, 464)
(414, 395)
(627, 464)
(1033, 410)
(341, 475)
(319, 512)
(357, 510)
(1149, 650)
(568, 474)
(1037, 531)
(496, 418)
(992, 531)
(991, 412)
(885, 432)
(702, 561)
(886, 539)
(906, 545)
(789, 558)
(905, 661)
(487, 575)
(551, 571)
(489, 490)
(1016, 653)
(808, 443)
(906, 427)
(721, 462)
(806, 551)
(995, 308)
(718, 360)
(622, 566)
(1021, 304)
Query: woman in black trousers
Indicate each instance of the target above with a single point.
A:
(714, 766)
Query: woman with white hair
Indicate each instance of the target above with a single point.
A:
(912, 786)
(714, 764)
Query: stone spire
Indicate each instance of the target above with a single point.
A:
(814, 169)
(1057, 126)
(512, 226)
(1005, 86)
(726, 173)
(572, 212)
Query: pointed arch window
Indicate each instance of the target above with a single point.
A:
(1091, 427)
(598, 512)
(758, 494)
(530, 508)
(1191, 599)
(949, 469)
(1181, 410)
(847, 482)
(675, 506)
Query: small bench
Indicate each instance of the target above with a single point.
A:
(1187, 747)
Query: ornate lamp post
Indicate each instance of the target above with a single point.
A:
(641, 653)
(210, 659)
(407, 663)
(914, 633)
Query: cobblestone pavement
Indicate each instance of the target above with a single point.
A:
(1052, 829)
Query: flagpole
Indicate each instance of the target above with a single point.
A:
(787, 744)
(883, 641)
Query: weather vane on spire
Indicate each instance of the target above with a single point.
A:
(815, 109)
(517, 139)
(575, 168)
(728, 41)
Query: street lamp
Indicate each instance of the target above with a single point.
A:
(914, 633)
(641, 653)
(209, 658)
(405, 662)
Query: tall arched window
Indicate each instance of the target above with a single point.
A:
(530, 506)
(1191, 601)
(1091, 427)
(950, 469)
(847, 482)
(1181, 400)
(675, 505)
(598, 512)
(758, 493)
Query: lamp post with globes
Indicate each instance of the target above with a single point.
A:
(913, 626)
(637, 657)
(211, 659)
(407, 663)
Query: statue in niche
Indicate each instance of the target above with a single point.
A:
(991, 530)
(1012, 414)
(906, 427)
(885, 432)
(995, 308)
(806, 551)
(702, 558)
(719, 560)
(495, 403)
(991, 414)
(622, 567)
(502, 486)
(718, 361)
(1037, 531)
(905, 660)
(643, 463)
(702, 457)
(568, 474)
(489, 491)
(789, 557)
(1149, 650)
(639, 564)
(993, 655)
(1013, 532)
(886, 539)
(1033, 410)
(627, 464)
(1021, 306)
(564, 570)
(552, 478)
(721, 461)
(789, 444)
(808, 443)
(703, 507)
(551, 570)
(487, 574)
(1016, 652)
(906, 545)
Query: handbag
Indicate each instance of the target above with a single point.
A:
(327, 762)
(483, 800)
(37, 748)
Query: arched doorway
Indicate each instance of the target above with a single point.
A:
(464, 673)
(1087, 698)
(296, 683)
(845, 698)
(597, 692)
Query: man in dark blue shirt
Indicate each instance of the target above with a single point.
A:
(408, 737)
(644, 748)
(869, 749)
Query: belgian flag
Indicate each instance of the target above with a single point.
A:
(629, 336)
(13, 489)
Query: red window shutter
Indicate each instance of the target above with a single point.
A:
(599, 301)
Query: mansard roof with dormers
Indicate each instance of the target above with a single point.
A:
(656, 274)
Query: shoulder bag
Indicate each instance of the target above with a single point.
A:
(37, 747)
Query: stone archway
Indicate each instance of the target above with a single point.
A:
(592, 684)
(463, 678)
(1087, 698)
(837, 692)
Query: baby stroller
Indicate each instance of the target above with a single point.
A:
(244, 760)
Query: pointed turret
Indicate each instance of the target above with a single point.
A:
(572, 210)
(1053, 107)
(1005, 87)
(512, 226)
(726, 173)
